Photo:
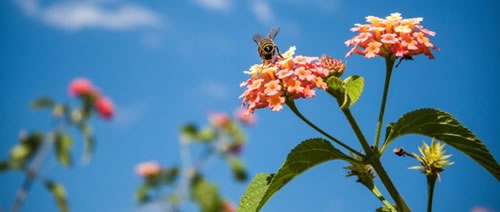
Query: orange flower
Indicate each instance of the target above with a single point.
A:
(147, 169)
(290, 77)
(392, 36)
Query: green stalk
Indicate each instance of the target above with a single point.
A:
(431, 182)
(293, 107)
(375, 162)
(389, 63)
(379, 195)
(386, 180)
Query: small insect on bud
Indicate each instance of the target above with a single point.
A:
(335, 66)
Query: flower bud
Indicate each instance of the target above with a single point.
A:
(104, 107)
(335, 66)
(81, 86)
(147, 169)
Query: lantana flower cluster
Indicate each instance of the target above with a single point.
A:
(146, 169)
(82, 87)
(290, 77)
(391, 36)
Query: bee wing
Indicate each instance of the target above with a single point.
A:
(257, 38)
(272, 34)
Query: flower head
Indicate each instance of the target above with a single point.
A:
(392, 36)
(290, 77)
(432, 158)
(333, 65)
(220, 120)
(245, 118)
(363, 171)
(147, 169)
(81, 86)
(104, 107)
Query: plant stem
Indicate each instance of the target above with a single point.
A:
(389, 63)
(293, 107)
(31, 175)
(357, 130)
(379, 195)
(379, 169)
(431, 182)
(375, 162)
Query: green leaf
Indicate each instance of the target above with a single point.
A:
(89, 142)
(4, 166)
(303, 157)
(336, 86)
(62, 145)
(43, 102)
(238, 168)
(354, 88)
(254, 193)
(169, 176)
(348, 91)
(192, 131)
(142, 195)
(24, 151)
(206, 195)
(444, 127)
(59, 194)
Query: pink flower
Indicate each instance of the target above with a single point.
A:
(81, 86)
(247, 119)
(220, 120)
(373, 49)
(293, 77)
(147, 169)
(104, 107)
(389, 38)
(272, 87)
(400, 37)
(228, 207)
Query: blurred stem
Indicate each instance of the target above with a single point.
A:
(189, 169)
(431, 182)
(389, 64)
(293, 107)
(32, 173)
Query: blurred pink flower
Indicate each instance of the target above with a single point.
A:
(228, 207)
(392, 36)
(481, 209)
(104, 107)
(245, 118)
(220, 120)
(146, 169)
(81, 86)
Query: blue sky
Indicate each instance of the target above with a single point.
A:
(165, 63)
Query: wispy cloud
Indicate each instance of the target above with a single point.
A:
(214, 89)
(77, 15)
(263, 11)
(128, 115)
(215, 5)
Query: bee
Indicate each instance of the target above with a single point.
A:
(266, 46)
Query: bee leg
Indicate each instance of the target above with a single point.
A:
(278, 49)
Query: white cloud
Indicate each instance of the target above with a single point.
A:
(262, 10)
(214, 89)
(216, 5)
(128, 115)
(77, 15)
